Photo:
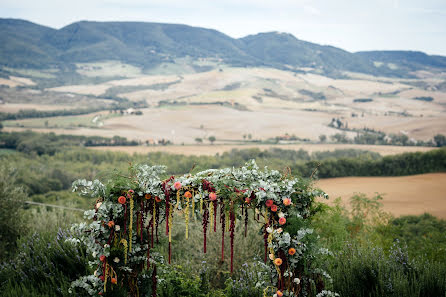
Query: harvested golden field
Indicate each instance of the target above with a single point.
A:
(231, 102)
(403, 195)
(211, 150)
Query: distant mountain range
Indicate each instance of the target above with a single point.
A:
(27, 45)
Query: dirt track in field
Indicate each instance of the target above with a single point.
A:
(403, 195)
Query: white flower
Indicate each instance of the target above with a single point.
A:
(281, 215)
(279, 230)
(297, 280)
(106, 246)
(95, 273)
(116, 260)
(117, 227)
(94, 254)
(275, 295)
(271, 257)
(98, 205)
(269, 230)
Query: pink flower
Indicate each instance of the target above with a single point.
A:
(213, 196)
(177, 185)
(286, 201)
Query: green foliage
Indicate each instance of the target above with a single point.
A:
(44, 266)
(12, 223)
(369, 272)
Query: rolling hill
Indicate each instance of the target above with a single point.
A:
(27, 45)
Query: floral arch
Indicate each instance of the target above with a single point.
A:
(132, 211)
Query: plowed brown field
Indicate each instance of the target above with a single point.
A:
(403, 195)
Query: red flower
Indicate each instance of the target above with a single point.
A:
(121, 199)
(213, 196)
(148, 196)
(247, 200)
(131, 191)
(282, 221)
(102, 258)
(157, 199)
(102, 278)
(274, 207)
(114, 281)
(269, 203)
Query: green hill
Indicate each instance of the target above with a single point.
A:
(27, 45)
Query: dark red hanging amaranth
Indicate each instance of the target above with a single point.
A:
(265, 241)
(246, 221)
(148, 246)
(154, 281)
(152, 223)
(223, 225)
(125, 218)
(157, 213)
(231, 229)
(205, 226)
(141, 219)
(215, 215)
(281, 282)
(167, 198)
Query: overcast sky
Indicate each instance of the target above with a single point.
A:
(353, 25)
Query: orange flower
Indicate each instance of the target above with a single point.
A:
(177, 185)
(114, 281)
(121, 199)
(286, 201)
(282, 221)
(292, 251)
(157, 199)
(278, 261)
(111, 223)
(279, 293)
(213, 196)
(269, 203)
(148, 196)
(187, 194)
(274, 207)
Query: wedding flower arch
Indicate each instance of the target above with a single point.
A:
(132, 211)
